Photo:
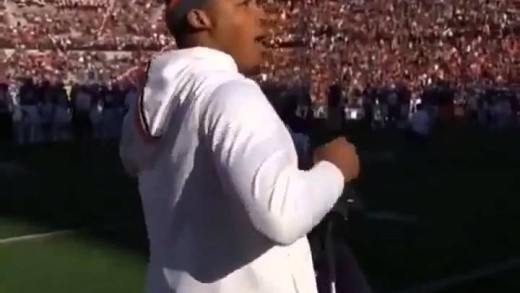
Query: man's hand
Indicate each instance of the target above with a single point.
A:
(342, 154)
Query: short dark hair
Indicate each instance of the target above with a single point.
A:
(176, 17)
(176, 27)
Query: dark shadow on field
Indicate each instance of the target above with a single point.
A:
(491, 284)
(463, 187)
(74, 186)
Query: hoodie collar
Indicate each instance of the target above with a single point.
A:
(218, 59)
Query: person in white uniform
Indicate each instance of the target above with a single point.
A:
(420, 126)
(226, 208)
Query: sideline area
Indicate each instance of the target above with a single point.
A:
(459, 198)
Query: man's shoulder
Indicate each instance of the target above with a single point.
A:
(237, 85)
(240, 102)
(237, 93)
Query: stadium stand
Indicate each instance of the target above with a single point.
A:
(376, 50)
(370, 42)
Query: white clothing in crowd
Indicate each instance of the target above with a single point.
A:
(501, 112)
(40, 122)
(473, 103)
(62, 123)
(83, 101)
(421, 122)
(96, 118)
(226, 207)
(30, 124)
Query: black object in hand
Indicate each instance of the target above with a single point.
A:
(325, 130)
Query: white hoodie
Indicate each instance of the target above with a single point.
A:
(227, 210)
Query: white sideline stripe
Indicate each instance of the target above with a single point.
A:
(49, 234)
(472, 275)
(37, 236)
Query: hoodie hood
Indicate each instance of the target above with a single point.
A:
(170, 79)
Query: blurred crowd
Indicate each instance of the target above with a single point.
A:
(39, 112)
(85, 57)
(359, 42)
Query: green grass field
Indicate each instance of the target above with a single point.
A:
(463, 188)
(69, 264)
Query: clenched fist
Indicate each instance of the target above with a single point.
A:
(342, 154)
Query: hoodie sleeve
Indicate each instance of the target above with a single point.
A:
(256, 160)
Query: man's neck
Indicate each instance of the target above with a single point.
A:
(197, 41)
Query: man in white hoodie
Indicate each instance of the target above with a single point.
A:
(226, 208)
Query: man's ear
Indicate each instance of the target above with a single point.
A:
(199, 19)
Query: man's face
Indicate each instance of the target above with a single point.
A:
(238, 30)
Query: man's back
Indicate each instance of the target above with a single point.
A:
(203, 237)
